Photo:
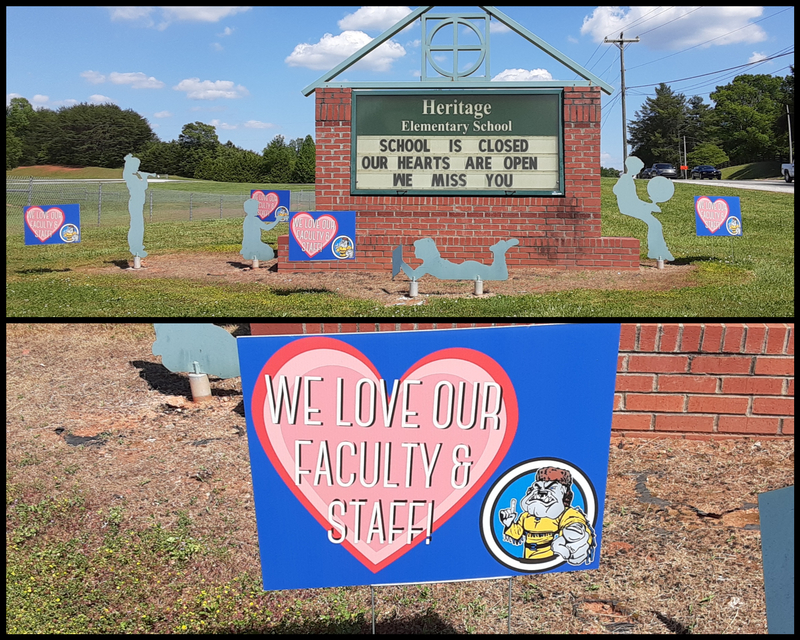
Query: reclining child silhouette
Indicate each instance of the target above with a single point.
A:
(660, 189)
(432, 262)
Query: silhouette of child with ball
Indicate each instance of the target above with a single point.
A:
(660, 189)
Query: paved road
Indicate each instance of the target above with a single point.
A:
(778, 186)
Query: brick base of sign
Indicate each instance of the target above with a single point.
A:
(561, 232)
(680, 380)
(374, 253)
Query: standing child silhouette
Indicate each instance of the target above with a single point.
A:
(137, 186)
(660, 189)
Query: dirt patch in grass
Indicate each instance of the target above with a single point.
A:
(681, 547)
(379, 286)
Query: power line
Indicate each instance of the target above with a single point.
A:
(681, 17)
(750, 24)
(626, 26)
(748, 64)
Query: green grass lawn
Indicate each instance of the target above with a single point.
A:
(750, 276)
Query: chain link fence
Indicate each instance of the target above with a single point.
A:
(106, 203)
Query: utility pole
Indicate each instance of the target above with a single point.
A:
(789, 121)
(621, 44)
(685, 159)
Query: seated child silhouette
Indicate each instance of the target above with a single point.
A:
(252, 247)
(660, 189)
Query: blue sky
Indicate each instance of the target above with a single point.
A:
(243, 69)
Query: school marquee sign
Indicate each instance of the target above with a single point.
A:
(458, 142)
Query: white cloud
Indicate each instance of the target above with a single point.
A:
(169, 15)
(226, 32)
(137, 80)
(519, 75)
(162, 114)
(94, 77)
(216, 46)
(255, 124)
(682, 26)
(130, 13)
(757, 56)
(197, 89)
(40, 101)
(101, 99)
(222, 125)
(497, 27)
(331, 50)
(373, 18)
(201, 14)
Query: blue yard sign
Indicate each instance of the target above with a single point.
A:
(428, 456)
(322, 235)
(273, 204)
(717, 216)
(52, 224)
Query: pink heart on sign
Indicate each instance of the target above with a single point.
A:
(381, 464)
(267, 203)
(313, 235)
(43, 223)
(713, 214)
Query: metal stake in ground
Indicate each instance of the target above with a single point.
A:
(372, 591)
(201, 388)
(510, 580)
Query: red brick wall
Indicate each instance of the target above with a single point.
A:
(709, 380)
(554, 232)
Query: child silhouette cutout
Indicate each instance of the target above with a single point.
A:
(137, 185)
(252, 247)
(432, 262)
(660, 189)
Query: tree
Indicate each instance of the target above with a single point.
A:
(305, 167)
(707, 153)
(609, 172)
(198, 142)
(278, 162)
(782, 124)
(19, 114)
(198, 135)
(655, 133)
(92, 135)
(161, 157)
(231, 164)
(13, 150)
(744, 117)
(697, 125)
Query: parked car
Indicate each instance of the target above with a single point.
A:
(646, 173)
(788, 171)
(706, 171)
(664, 169)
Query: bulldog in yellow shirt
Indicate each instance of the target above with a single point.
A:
(549, 525)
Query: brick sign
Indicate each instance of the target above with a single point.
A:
(457, 142)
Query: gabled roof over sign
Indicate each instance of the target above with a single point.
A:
(590, 78)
